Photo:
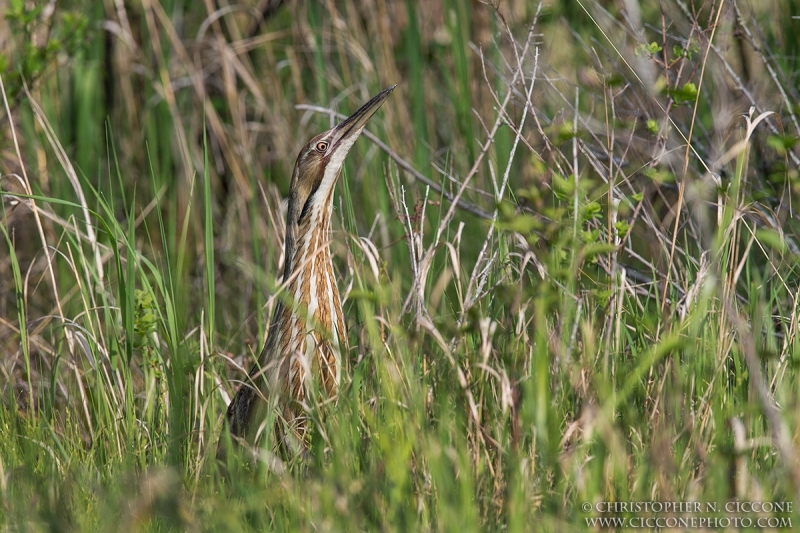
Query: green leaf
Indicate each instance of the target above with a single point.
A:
(519, 223)
(562, 187)
(146, 318)
(648, 50)
(659, 176)
(531, 194)
(590, 236)
(688, 53)
(592, 210)
(597, 248)
(782, 143)
(603, 296)
(615, 80)
(771, 239)
(565, 133)
(622, 227)
(687, 93)
(359, 294)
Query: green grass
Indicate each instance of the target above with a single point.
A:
(623, 330)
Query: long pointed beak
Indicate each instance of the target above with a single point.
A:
(351, 127)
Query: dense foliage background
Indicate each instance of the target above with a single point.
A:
(568, 253)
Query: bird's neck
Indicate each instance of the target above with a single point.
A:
(308, 247)
(312, 325)
(309, 276)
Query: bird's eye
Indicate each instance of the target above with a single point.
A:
(322, 146)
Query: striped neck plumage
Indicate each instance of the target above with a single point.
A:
(308, 247)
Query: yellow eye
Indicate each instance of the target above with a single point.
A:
(322, 146)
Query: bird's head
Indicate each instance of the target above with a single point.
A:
(320, 162)
(315, 173)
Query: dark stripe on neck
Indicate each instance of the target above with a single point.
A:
(307, 206)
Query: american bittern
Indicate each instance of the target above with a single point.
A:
(307, 335)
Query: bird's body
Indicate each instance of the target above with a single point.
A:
(307, 337)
